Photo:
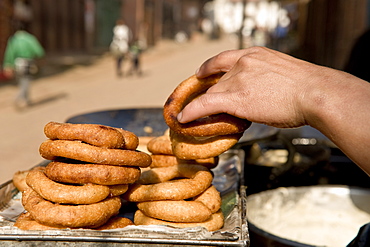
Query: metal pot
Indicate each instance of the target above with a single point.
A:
(307, 216)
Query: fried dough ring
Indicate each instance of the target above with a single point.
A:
(117, 190)
(67, 194)
(155, 184)
(19, 180)
(72, 216)
(198, 210)
(25, 222)
(163, 160)
(218, 124)
(210, 163)
(94, 134)
(131, 140)
(189, 147)
(160, 145)
(52, 149)
(115, 222)
(91, 173)
(215, 222)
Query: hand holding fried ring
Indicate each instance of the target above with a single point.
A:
(218, 124)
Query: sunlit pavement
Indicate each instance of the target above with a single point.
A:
(95, 87)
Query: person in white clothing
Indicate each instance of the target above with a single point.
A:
(120, 44)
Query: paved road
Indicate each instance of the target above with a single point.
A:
(91, 88)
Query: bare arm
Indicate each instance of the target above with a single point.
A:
(272, 88)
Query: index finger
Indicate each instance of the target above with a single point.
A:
(222, 62)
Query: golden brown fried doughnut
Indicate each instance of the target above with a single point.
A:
(163, 160)
(75, 216)
(115, 222)
(62, 193)
(211, 198)
(91, 173)
(197, 210)
(159, 160)
(25, 222)
(189, 147)
(209, 162)
(215, 222)
(52, 149)
(160, 145)
(19, 180)
(156, 184)
(94, 134)
(131, 140)
(117, 190)
(218, 124)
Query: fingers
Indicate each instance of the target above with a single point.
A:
(205, 105)
(223, 62)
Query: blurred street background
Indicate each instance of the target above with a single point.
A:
(77, 74)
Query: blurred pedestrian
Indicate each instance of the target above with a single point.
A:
(119, 46)
(135, 51)
(20, 56)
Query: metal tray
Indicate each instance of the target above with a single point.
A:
(228, 180)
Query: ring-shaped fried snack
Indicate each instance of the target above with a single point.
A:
(67, 194)
(160, 145)
(209, 162)
(218, 124)
(74, 216)
(189, 147)
(25, 222)
(160, 184)
(214, 223)
(114, 223)
(52, 149)
(117, 190)
(91, 173)
(19, 180)
(197, 210)
(159, 160)
(163, 160)
(94, 134)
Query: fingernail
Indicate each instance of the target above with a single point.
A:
(179, 117)
(196, 72)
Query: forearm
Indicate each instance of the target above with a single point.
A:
(339, 106)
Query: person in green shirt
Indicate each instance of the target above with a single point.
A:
(19, 62)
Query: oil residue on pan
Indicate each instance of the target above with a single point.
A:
(315, 215)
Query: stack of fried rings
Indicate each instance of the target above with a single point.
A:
(181, 195)
(162, 155)
(205, 137)
(92, 165)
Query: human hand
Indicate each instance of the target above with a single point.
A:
(260, 85)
